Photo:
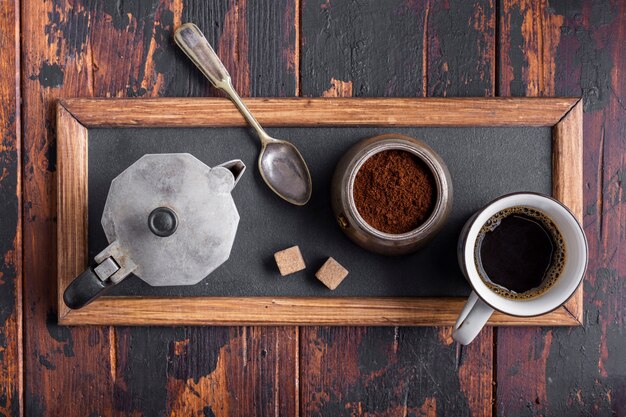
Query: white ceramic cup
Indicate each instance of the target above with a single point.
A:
(483, 301)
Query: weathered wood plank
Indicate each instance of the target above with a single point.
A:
(552, 48)
(529, 37)
(67, 371)
(461, 48)
(221, 371)
(251, 373)
(129, 47)
(392, 371)
(10, 215)
(374, 49)
(397, 49)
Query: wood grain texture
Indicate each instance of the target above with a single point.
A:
(370, 311)
(11, 365)
(358, 49)
(371, 371)
(67, 372)
(567, 160)
(574, 48)
(252, 374)
(567, 179)
(196, 112)
(529, 37)
(460, 48)
(350, 42)
(222, 371)
(72, 199)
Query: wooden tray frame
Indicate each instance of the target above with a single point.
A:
(76, 116)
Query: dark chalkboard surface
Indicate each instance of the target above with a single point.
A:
(484, 163)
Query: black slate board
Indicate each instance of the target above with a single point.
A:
(484, 163)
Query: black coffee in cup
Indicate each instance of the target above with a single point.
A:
(519, 253)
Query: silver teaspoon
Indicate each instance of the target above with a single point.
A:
(282, 167)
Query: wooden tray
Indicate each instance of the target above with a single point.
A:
(76, 116)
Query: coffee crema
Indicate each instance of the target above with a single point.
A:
(519, 253)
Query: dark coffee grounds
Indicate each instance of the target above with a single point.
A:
(394, 191)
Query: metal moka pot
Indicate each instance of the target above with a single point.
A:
(169, 219)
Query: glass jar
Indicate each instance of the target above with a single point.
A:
(348, 217)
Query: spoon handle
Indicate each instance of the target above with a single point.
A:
(193, 43)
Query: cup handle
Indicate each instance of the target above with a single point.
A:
(472, 319)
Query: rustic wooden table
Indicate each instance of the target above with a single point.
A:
(101, 48)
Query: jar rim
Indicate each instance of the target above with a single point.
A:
(437, 170)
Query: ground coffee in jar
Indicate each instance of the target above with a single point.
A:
(394, 191)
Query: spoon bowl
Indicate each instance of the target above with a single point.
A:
(283, 169)
(281, 165)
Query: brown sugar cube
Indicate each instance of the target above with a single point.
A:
(289, 260)
(331, 273)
